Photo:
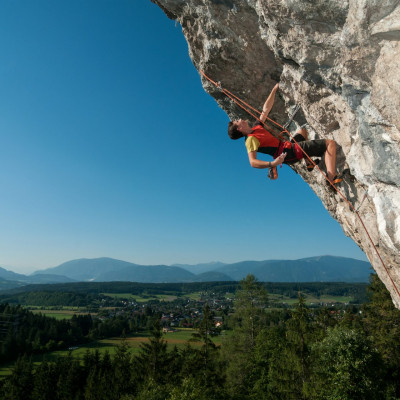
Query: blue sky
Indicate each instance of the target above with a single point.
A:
(110, 147)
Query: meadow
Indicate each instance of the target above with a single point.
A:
(66, 313)
(178, 338)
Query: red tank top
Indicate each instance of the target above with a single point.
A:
(264, 137)
(269, 144)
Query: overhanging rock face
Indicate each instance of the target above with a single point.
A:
(340, 62)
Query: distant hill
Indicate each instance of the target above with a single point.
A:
(109, 269)
(86, 269)
(9, 279)
(213, 276)
(200, 268)
(149, 273)
(49, 278)
(8, 284)
(9, 275)
(313, 269)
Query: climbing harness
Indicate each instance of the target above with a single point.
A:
(284, 146)
(250, 110)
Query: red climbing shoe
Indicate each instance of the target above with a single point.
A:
(334, 182)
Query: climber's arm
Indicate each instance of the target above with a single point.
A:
(269, 103)
(255, 163)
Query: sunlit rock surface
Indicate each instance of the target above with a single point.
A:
(338, 60)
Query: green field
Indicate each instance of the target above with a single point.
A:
(141, 298)
(60, 314)
(178, 338)
(310, 300)
(193, 296)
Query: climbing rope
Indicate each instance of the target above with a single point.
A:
(250, 110)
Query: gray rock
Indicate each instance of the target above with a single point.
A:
(338, 60)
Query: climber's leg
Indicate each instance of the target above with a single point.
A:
(330, 162)
(330, 158)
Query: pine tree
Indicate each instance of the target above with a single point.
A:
(71, 378)
(44, 382)
(289, 371)
(152, 361)
(19, 385)
(204, 333)
(93, 385)
(206, 367)
(175, 365)
(250, 303)
(238, 349)
(91, 360)
(121, 366)
(270, 343)
(381, 320)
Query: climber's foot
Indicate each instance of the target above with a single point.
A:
(332, 183)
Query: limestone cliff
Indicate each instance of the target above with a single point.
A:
(340, 62)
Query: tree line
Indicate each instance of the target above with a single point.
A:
(284, 354)
(24, 332)
(85, 294)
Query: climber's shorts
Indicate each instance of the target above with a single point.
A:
(314, 148)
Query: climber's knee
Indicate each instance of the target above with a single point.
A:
(303, 132)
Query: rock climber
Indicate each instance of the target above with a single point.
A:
(259, 140)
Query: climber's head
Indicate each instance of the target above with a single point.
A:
(238, 129)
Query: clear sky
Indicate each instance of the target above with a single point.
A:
(111, 148)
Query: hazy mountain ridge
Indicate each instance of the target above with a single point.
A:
(312, 269)
(85, 269)
(150, 273)
(201, 268)
(9, 275)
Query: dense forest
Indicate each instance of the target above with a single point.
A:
(299, 353)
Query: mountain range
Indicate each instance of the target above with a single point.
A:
(313, 269)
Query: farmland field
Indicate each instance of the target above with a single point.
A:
(60, 314)
(178, 338)
(141, 298)
(309, 299)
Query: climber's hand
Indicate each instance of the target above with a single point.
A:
(279, 160)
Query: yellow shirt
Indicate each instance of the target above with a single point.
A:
(252, 144)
